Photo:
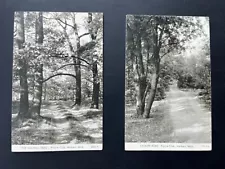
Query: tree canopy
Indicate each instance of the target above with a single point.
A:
(152, 42)
(57, 56)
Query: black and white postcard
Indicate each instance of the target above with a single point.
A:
(57, 82)
(168, 83)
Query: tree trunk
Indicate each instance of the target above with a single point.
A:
(33, 91)
(78, 82)
(140, 78)
(140, 99)
(76, 62)
(156, 68)
(77, 66)
(39, 66)
(38, 89)
(39, 35)
(129, 73)
(45, 91)
(96, 83)
(140, 87)
(96, 86)
(154, 82)
(24, 101)
(73, 97)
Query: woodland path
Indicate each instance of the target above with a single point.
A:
(60, 125)
(191, 120)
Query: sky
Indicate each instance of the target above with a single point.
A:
(194, 46)
(81, 17)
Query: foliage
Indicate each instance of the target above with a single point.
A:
(151, 65)
(55, 55)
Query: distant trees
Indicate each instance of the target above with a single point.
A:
(196, 70)
(57, 56)
(149, 39)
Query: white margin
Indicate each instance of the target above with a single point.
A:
(56, 147)
(168, 147)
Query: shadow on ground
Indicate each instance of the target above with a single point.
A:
(59, 124)
(156, 129)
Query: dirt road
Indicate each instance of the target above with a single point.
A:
(191, 120)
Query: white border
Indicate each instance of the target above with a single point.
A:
(168, 147)
(56, 147)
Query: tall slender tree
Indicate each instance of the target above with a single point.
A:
(75, 53)
(39, 37)
(77, 63)
(134, 50)
(96, 83)
(23, 67)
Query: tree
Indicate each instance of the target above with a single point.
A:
(93, 29)
(80, 53)
(61, 58)
(22, 64)
(149, 39)
(75, 52)
(134, 51)
(39, 37)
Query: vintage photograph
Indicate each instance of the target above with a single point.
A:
(57, 81)
(168, 83)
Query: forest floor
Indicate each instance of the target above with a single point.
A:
(180, 118)
(59, 124)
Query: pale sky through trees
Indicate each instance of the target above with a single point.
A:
(194, 46)
(49, 22)
(81, 18)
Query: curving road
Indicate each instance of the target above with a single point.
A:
(191, 121)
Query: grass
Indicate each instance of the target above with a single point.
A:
(157, 129)
(59, 124)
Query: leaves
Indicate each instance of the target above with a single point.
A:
(55, 54)
(164, 39)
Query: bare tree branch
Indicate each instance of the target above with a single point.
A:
(81, 59)
(70, 64)
(58, 74)
(65, 23)
(83, 35)
(61, 56)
